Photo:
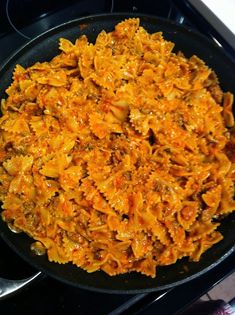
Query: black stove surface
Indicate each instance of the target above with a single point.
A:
(21, 21)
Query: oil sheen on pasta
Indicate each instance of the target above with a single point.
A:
(119, 155)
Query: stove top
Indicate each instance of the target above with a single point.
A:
(21, 21)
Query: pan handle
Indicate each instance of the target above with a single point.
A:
(7, 287)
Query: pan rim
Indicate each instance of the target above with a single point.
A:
(34, 40)
(115, 291)
(50, 273)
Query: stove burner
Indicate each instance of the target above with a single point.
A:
(39, 10)
(11, 23)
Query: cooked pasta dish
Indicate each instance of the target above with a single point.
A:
(117, 155)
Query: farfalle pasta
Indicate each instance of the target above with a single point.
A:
(118, 155)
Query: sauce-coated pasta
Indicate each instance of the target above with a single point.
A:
(119, 155)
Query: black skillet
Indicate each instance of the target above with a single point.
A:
(44, 48)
